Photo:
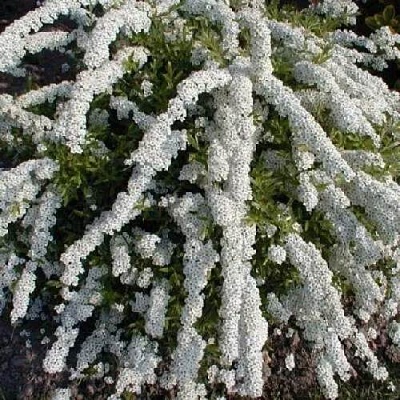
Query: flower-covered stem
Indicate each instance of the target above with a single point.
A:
(199, 259)
(154, 153)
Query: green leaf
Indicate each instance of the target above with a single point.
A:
(54, 283)
(388, 14)
(379, 20)
(371, 23)
(15, 209)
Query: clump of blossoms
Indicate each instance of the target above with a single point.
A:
(210, 172)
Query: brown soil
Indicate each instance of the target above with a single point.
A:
(283, 384)
(21, 373)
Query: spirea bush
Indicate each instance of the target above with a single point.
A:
(213, 169)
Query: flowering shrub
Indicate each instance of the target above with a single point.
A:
(215, 167)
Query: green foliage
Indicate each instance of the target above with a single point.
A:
(174, 275)
(19, 150)
(390, 149)
(209, 38)
(129, 396)
(306, 18)
(324, 55)
(268, 192)
(388, 17)
(73, 173)
(168, 64)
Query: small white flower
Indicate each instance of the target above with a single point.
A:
(277, 254)
(146, 86)
(289, 362)
(391, 386)
(61, 394)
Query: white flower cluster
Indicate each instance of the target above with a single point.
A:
(277, 254)
(304, 127)
(18, 188)
(349, 38)
(392, 302)
(318, 310)
(155, 316)
(380, 200)
(144, 278)
(362, 87)
(124, 107)
(304, 160)
(365, 352)
(146, 86)
(155, 151)
(104, 335)
(24, 287)
(243, 329)
(61, 394)
(242, 95)
(57, 355)
(289, 362)
(121, 264)
(48, 40)
(8, 275)
(138, 361)
(42, 219)
(132, 16)
(307, 192)
(146, 244)
(192, 172)
(381, 46)
(141, 303)
(16, 40)
(261, 65)
(71, 122)
(346, 117)
(45, 93)
(13, 115)
(352, 262)
(159, 144)
(199, 259)
(79, 307)
(338, 8)
(394, 332)
(387, 45)
(90, 349)
(217, 11)
(253, 333)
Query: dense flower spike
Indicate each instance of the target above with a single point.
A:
(71, 123)
(131, 16)
(338, 8)
(199, 259)
(16, 40)
(133, 197)
(18, 188)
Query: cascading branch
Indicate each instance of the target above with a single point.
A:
(203, 148)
